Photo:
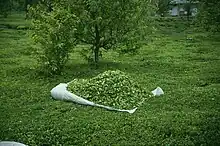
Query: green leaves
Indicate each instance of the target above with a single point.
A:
(209, 15)
(101, 24)
(5, 7)
(112, 88)
(110, 24)
(163, 6)
(54, 31)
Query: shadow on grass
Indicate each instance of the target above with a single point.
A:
(84, 70)
(71, 71)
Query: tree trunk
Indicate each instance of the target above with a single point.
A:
(96, 58)
(96, 46)
(26, 2)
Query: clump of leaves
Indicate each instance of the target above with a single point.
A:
(54, 31)
(112, 88)
(209, 15)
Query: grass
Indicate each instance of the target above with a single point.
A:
(186, 69)
(14, 21)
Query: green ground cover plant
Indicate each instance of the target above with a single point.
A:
(187, 114)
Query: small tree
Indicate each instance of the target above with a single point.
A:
(53, 31)
(162, 6)
(107, 24)
(188, 8)
(209, 15)
(111, 24)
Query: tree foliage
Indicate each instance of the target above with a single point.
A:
(162, 6)
(100, 24)
(5, 7)
(187, 8)
(209, 15)
(53, 31)
(111, 24)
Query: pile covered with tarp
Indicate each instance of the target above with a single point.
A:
(114, 90)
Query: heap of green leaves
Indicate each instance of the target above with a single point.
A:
(111, 88)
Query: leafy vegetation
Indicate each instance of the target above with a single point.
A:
(111, 24)
(54, 31)
(182, 61)
(209, 15)
(188, 8)
(4, 7)
(163, 7)
(111, 88)
(98, 24)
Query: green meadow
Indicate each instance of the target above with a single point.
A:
(181, 59)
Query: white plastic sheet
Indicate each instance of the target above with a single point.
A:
(60, 92)
(10, 143)
(157, 92)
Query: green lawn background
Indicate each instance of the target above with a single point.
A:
(183, 61)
